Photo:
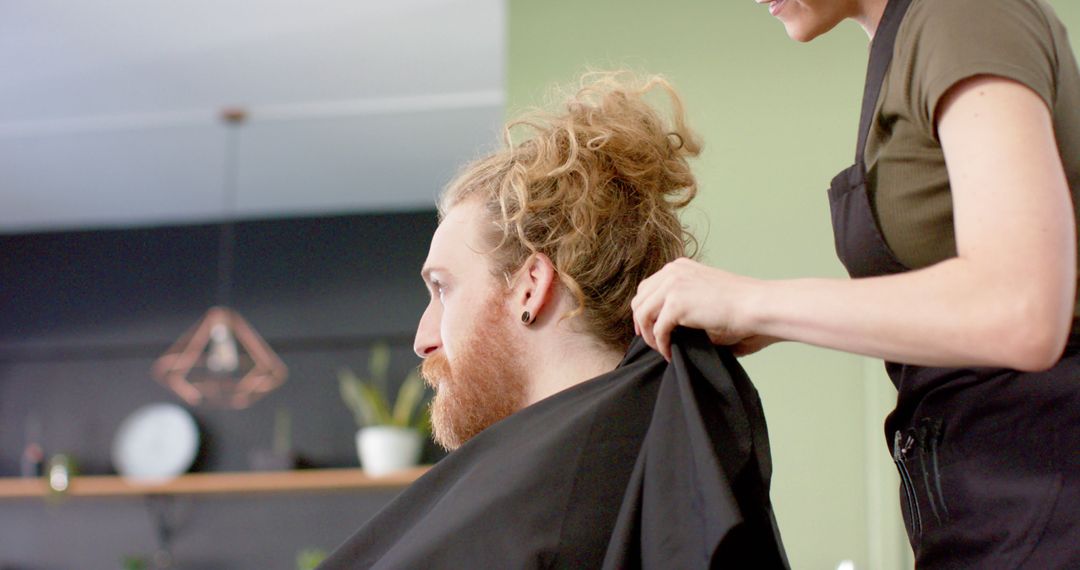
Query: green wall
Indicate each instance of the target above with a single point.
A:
(778, 119)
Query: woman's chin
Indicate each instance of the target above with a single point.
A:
(803, 33)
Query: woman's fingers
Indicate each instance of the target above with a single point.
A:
(647, 327)
(639, 309)
(666, 322)
(654, 310)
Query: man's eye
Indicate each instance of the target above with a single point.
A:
(439, 289)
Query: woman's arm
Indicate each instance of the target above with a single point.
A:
(1005, 300)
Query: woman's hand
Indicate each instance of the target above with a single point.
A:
(689, 294)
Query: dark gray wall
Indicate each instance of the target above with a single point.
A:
(84, 314)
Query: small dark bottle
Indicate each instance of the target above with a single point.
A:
(33, 461)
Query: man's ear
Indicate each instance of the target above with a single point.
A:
(534, 287)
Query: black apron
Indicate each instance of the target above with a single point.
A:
(989, 459)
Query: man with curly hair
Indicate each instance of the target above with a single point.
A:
(574, 445)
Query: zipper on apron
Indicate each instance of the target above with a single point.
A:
(900, 458)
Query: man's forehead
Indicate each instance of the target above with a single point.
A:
(454, 244)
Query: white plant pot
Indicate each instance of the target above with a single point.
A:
(385, 449)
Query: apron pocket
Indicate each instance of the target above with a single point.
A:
(995, 514)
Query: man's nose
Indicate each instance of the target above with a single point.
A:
(427, 334)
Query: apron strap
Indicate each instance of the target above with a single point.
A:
(881, 53)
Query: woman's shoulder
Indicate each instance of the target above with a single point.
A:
(958, 17)
(941, 42)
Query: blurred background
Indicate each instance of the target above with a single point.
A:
(157, 158)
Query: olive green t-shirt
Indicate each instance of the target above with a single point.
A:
(939, 43)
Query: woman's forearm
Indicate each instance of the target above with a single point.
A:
(950, 314)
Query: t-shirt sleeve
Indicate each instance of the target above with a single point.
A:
(952, 40)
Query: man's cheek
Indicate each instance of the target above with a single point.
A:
(450, 338)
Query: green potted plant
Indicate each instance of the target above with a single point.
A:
(390, 436)
(310, 558)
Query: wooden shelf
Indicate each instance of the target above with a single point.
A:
(216, 483)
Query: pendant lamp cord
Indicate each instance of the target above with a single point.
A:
(227, 238)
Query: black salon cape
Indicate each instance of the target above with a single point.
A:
(652, 465)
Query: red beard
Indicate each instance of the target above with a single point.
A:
(483, 385)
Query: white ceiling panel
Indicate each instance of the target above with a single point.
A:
(111, 178)
(357, 163)
(109, 114)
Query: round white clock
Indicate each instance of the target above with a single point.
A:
(155, 443)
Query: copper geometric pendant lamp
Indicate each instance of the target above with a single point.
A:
(221, 361)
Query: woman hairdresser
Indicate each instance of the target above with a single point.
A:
(957, 224)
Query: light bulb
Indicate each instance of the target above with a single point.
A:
(222, 355)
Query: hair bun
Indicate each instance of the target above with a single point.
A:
(611, 138)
